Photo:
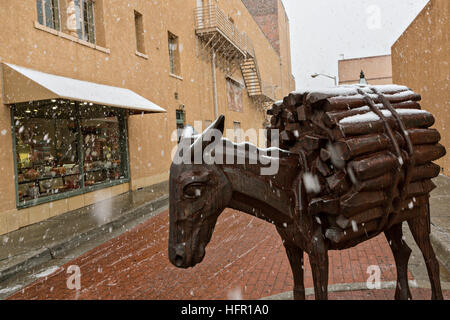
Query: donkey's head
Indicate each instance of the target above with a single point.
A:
(198, 195)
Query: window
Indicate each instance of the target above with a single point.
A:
(174, 55)
(237, 132)
(234, 95)
(101, 149)
(207, 123)
(181, 122)
(64, 148)
(74, 17)
(48, 13)
(85, 25)
(139, 27)
(181, 119)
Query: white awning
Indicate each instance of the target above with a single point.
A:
(23, 85)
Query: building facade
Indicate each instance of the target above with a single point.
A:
(272, 19)
(420, 60)
(377, 70)
(93, 92)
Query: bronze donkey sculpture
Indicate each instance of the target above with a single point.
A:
(200, 192)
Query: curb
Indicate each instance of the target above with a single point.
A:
(340, 287)
(357, 286)
(48, 253)
(35, 259)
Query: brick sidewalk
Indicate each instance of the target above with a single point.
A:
(245, 253)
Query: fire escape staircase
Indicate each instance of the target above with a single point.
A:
(233, 49)
(253, 81)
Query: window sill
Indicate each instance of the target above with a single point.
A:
(142, 55)
(175, 76)
(70, 194)
(60, 34)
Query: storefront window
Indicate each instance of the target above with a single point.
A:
(101, 150)
(65, 146)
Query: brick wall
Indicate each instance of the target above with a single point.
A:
(265, 12)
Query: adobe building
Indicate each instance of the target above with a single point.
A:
(377, 70)
(92, 93)
(420, 60)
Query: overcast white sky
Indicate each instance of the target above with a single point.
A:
(322, 30)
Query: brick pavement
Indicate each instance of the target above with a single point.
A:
(245, 254)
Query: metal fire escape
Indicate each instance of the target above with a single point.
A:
(233, 49)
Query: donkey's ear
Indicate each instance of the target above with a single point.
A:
(211, 135)
(212, 131)
(219, 124)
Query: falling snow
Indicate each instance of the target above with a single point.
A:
(312, 184)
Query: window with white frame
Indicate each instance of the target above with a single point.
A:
(48, 13)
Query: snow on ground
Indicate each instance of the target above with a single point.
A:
(235, 294)
(10, 289)
(46, 273)
(312, 184)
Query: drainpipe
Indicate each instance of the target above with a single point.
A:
(213, 67)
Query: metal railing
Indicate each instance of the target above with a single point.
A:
(210, 18)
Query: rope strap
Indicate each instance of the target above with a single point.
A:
(390, 198)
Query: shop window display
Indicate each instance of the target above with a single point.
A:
(101, 150)
(66, 146)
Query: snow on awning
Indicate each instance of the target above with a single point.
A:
(22, 85)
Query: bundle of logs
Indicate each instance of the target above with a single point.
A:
(366, 154)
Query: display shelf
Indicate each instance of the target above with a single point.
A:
(48, 178)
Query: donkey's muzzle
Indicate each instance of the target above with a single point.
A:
(177, 256)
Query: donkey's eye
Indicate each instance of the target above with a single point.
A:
(194, 190)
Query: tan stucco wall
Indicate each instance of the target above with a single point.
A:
(288, 81)
(115, 63)
(421, 58)
(378, 70)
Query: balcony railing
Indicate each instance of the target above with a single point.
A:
(210, 19)
(217, 31)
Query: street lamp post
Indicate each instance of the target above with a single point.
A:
(315, 75)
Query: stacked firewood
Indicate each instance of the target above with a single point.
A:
(365, 165)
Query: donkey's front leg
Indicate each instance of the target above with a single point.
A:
(295, 256)
(318, 258)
